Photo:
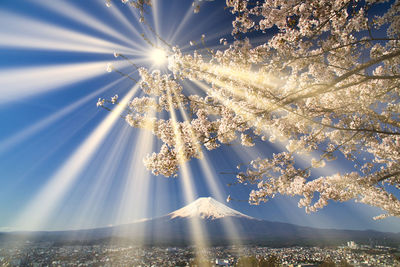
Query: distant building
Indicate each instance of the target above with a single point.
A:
(222, 262)
(352, 245)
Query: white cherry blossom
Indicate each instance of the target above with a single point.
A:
(326, 81)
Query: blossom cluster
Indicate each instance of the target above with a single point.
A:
(326, 83)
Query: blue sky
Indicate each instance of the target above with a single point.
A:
(52, 71)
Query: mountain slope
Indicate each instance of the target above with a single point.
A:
(177, 228)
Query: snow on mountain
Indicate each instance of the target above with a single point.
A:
(206, 208)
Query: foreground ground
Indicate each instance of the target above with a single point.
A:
(47, 254)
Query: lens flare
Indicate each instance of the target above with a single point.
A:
(158, 56)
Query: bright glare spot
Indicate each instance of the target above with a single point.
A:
(158, 56)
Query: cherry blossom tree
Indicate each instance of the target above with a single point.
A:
(325, 83)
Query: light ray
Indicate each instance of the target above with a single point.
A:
(136, 188)
(41, 160)
(37, 80)
(226, 102)
(124, 21)
(68, 10)
(197, 28)
(198, 231)
(46, 36)
(211, 180)
(105, 174)
(184, 20)
(281, 143)
(27, 132)
(208, 38)
(156, 15)
(287, 205)
(41, 206)
(136, 15)
(213, 185)
(135, 195)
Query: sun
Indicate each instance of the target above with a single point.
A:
(158, 56)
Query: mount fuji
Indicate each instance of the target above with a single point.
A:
(217, 221)
(207, 208)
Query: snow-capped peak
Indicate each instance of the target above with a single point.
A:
(206, 208)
